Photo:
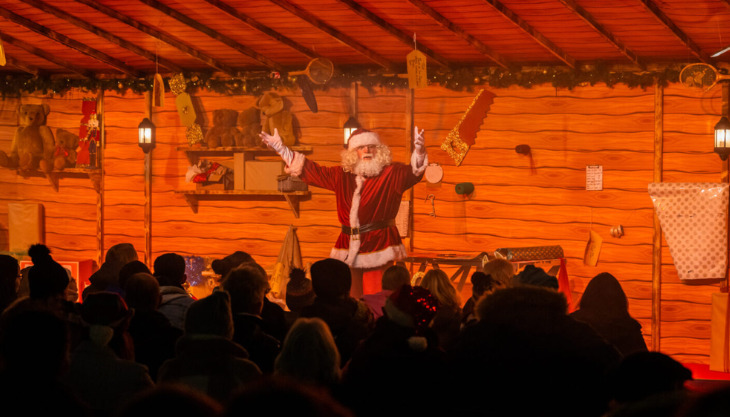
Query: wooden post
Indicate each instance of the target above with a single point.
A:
(410, 123)
(656, 267)
(725, 170)
(148, 193)
(100, 192)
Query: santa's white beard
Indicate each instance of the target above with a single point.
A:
(368, 167)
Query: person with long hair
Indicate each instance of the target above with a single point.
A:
(447, 322)
(309, 354)
(605, 307)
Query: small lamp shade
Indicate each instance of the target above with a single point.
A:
(146, 135)
(351, 125)
(722, 138)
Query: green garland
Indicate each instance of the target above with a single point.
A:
(459, 79)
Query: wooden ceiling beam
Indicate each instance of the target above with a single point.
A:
(592, 22)
(532, 32)
(207, 59)
(458, 31)
(232, 43)
(253, 23)
(334, 33)
(683, 37)
(43, 54)
(71, 43)
(102, 34)
(22, 65)
(393, 31)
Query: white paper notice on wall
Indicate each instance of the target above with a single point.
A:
(594, 177)
(693, 217)
(402, 218)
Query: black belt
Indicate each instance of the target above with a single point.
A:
(368, 227)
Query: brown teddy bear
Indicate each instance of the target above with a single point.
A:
(272, 105)
(33, 143)
(250, 123)
(64, 156)
(224, 131)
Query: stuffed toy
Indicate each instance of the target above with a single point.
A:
(33, 144)
(224, 131)
(250, 123)
(65, 154)
(272, 106)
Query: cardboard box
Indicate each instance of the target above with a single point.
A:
(262, 175)
(239, 167)
(25, 225)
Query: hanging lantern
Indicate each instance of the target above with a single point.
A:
(146, 135)
(351, 125)
(722, 136)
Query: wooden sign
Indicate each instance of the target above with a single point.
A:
(593, 249)
(417, 77)
(158, 91)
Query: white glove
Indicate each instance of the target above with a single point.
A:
(418, 141)
(274, 142)
(419, 146)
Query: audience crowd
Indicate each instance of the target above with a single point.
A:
(141, 345)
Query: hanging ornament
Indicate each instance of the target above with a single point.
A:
(416, 61)
(185, 109)
(178, 84)
(158, 92)
(194, 134)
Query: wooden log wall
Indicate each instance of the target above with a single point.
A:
(518, 200)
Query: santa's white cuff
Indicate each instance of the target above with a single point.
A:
(419, 162)
(296, 165)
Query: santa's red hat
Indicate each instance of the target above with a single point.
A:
(362, 137)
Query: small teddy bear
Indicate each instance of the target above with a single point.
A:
(65, 154)
(250, 123)
(224, 131)
(33, 144)
(272, 105)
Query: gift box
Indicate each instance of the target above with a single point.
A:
(25, 225)
(262, 175)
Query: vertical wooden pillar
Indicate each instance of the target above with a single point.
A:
(148, 192)
(725, 170)
(100, 192)
(656, 267)
(410, 123)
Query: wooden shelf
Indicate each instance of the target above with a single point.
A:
(94, 174)
(194, 153)
(292, 197)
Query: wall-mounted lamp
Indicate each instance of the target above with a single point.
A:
(351, 125)
(146, 135)
(523, 149)
(722, 137)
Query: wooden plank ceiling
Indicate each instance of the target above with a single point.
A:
(231, 37)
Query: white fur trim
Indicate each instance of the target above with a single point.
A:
(297, 165)
(362, 139)
(419, 163)
(355, 221)
(372, 259)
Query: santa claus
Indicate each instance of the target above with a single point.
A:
(368, 186)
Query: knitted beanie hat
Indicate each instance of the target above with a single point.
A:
(330, 278)
(362, 137)
(46, 277)
(299, 293)
(412, 307)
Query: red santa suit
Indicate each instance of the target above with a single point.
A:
(367, 203)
